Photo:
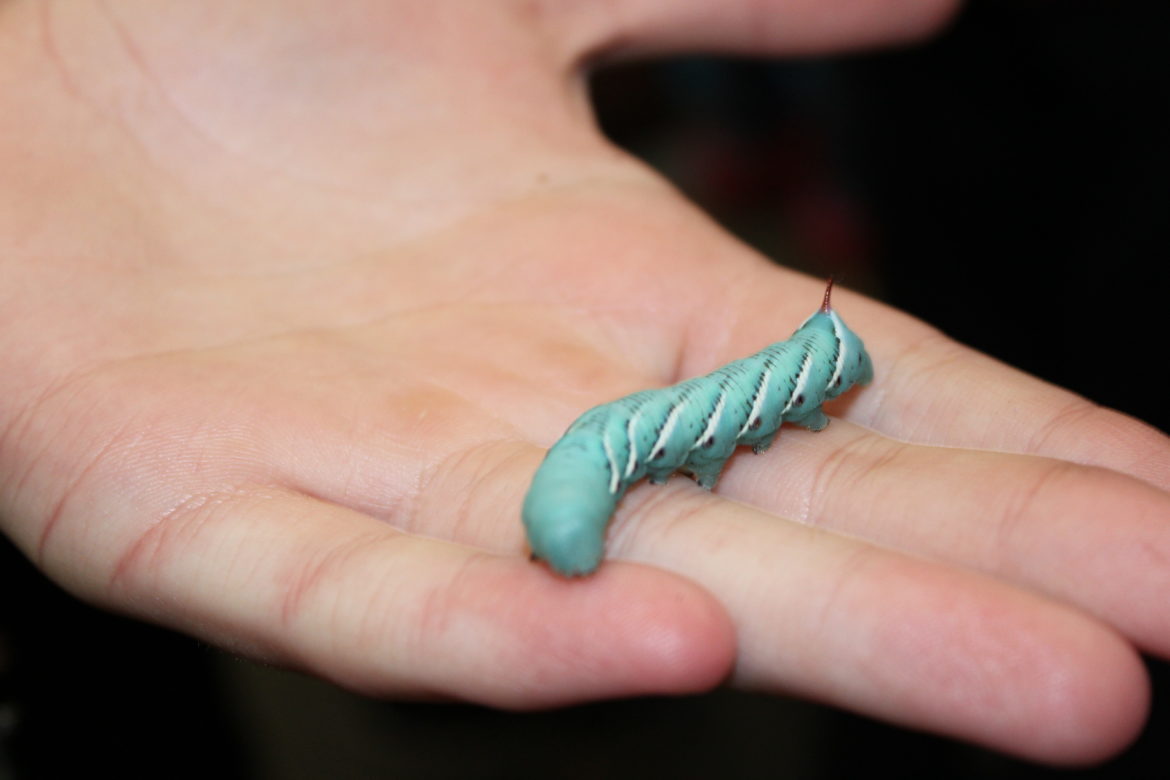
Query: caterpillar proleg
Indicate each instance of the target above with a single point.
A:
(693, 426)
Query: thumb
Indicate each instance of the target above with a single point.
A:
(628, 28)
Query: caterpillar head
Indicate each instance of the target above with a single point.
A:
(567, 509)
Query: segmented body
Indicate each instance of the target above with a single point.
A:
(693, 426)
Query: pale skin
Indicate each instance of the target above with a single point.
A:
(295, 295)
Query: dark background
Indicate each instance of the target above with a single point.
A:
(1007, 182)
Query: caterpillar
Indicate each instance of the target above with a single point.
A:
(693, 426)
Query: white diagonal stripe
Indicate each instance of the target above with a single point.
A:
(713, 423)
(613, 467)
(667, 429)
(801, 381)
(758, 403)
(632, 463)
(838, 326)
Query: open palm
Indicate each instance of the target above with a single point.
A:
(295, 296)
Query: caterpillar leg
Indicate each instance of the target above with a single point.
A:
(814, 421)
(763, 444)
(707, 476)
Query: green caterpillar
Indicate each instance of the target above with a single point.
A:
(693, 426)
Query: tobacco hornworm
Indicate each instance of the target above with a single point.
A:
(693, 426)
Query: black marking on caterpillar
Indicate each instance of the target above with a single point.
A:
(693, 426)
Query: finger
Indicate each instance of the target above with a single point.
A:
(936, 391)
(929, 389)
(304, 583)
(839, 620)
(1089, 536)
(901, 639)
(637, 27)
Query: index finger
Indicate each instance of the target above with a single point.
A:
(930, 389)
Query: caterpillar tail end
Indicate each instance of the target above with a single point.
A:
(865, 374)
(566, 513)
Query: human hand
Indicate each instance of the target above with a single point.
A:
(295, 298)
